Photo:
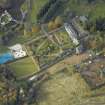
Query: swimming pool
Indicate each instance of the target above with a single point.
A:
(6, 58)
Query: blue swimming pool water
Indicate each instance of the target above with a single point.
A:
(6, 57)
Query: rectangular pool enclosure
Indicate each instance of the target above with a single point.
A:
(6, 58)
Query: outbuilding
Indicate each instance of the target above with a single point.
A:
(18, 51)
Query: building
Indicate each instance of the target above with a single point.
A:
(72, 33)
(83, 19)
(18, 51)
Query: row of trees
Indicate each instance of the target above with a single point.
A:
(90, 1)
(7, 93)
(96, 42)
(7, 73)
(93, 26)
(82, 1)
(56, 23)
(48, 11)
(45, 8)
(100, 24)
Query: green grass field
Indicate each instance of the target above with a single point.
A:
(23, 67)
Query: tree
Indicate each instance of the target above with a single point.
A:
(100, 24)
(10, 3)
(48, 16)
(97, 43)
(45, 9)
(35, 29)
(58, 21)
(51, 25)
(90, 1)
(55, 23)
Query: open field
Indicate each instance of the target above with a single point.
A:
(65, 87)
(23, 67)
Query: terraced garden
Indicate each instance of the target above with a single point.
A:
(48, 48)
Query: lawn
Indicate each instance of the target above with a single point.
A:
(18, 39)
(24, 67)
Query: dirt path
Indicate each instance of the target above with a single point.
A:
(75, 59)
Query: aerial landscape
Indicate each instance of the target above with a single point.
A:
(52, 52)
